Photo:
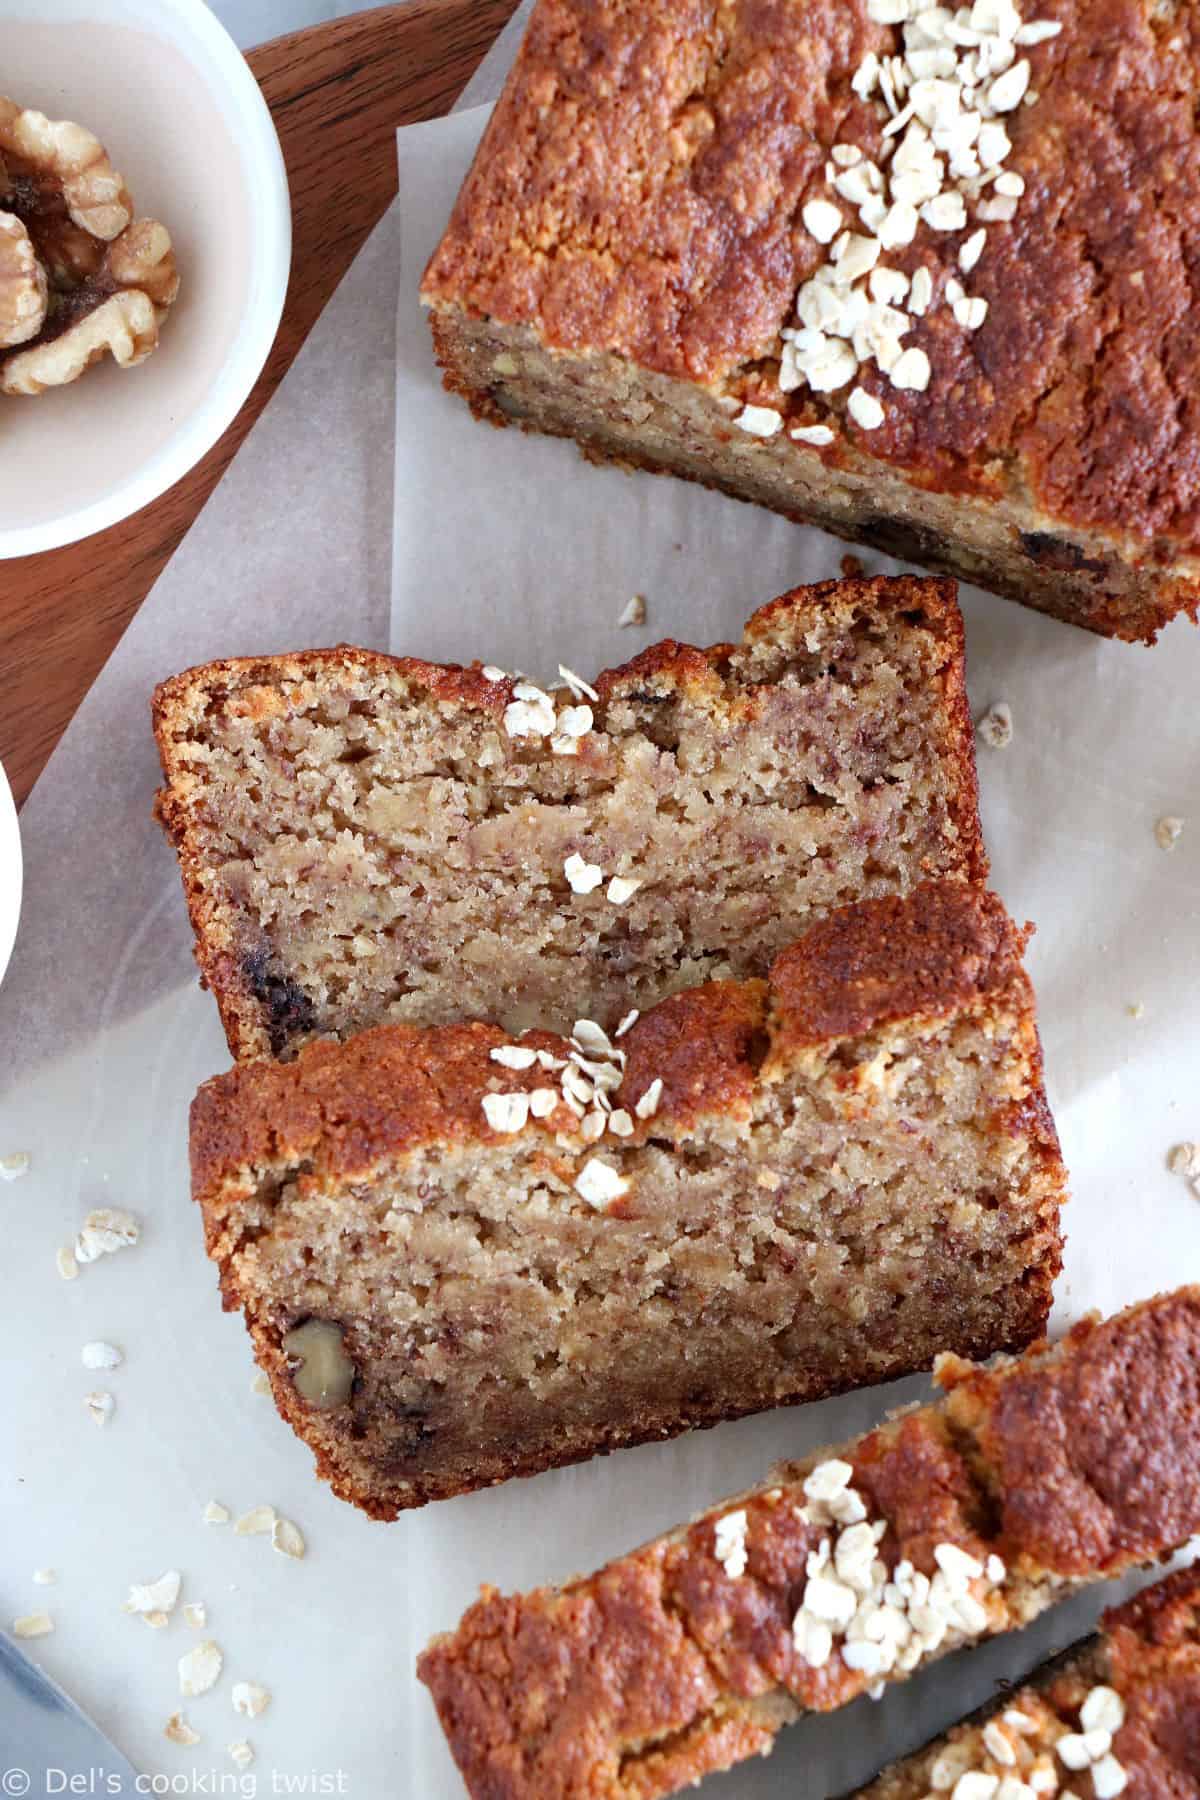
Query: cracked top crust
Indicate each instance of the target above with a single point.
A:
(639, 190)
(395, 1089)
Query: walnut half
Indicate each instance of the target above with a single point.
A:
(80, 276)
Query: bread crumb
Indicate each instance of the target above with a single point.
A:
(250, 1699)
(258, 1520)
(104, 1232)
(582, 877)
(195, 1614)
(200, 1669)
(852, 567)
(288, 1539)
(214, 1513)
(260, 1384)
(242, 1753)
(33, 1625)
(622, 888)
(1168, 831)
(64, 1262)
(100, 1406)
(996, 726)
(1136, 1010)
(1184, 1159)
(101, 1356)
(45, 1577)
(14, 1165)
(178, 1731)
(635, 611)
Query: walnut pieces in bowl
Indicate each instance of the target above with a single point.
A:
(80, 276)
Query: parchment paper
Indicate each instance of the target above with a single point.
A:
(540, 552)
(104, 1037)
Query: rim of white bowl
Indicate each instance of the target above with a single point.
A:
(11, 872)
(264, 308)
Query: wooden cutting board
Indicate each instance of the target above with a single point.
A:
(337, 93)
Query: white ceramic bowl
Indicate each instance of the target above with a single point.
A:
(10, 872)
(170, 96)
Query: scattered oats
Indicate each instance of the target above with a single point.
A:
(157, 1621)
(1108, 1778)
(622, 888)
(1008, 89)
(199, 1669)
(1168, 831)
(506, 1112)
(1037, 31)
(581, 690)
(195, 1614)
(911, 370)
(627, 1023)
(250, 1699)
(1104, 1709)
(178, 1731)
(1136, 1009)
(635, 611)
(591, 1037)
(154, 1596)
(998, 211)
(258, 1520)
(1020, 1722)
(996, 726)
(920, 292)
(513, 1056)
(592, 1127)
(260, 1383)
(45, 1577)
(242, 1753)
(865, 409)
(582, 877)
(574, 722)
(215, 1514)
(620, 1123)
(64, 1262)
(822, 220)
(1185, 1160)
(491, 673)
(998, 1744)
(33, 1625)
(1010, 184)
(599, 1183)
(818, 435)
(975, 1785)
(288, 1539)
(104, 1232)
(970, 252)
(101, 1356)
(530, 712)
(100, 1406)
(14, 1165)
(542, 1102)
(759, 421)
(729, 1543)
(970, 310)
(647, 1106)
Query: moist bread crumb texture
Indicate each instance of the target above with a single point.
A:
(1120, 1713)
(795, 1186)
(367, 839)
(946, 1525)
(680, 244)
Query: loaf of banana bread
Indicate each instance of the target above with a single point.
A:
(1118, 1714)
(463, 1257)
(920, 276)
(852, 1568)
(367, 839)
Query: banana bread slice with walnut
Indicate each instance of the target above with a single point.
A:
(1117, 1714)
(365, 838)
(855, 1566)
(463, 1257)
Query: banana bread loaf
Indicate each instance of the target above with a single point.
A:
(1118, 1714)
(463, 1257)
(367, 839)
(854, 1567)
(918, 276)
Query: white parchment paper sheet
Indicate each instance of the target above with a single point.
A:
(513, 549)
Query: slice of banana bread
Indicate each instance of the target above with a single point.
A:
(908, 272)
(367, 839)
(854, 1567)
(1119, 1713)
(463, 1257)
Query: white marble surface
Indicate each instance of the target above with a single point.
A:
(254, 21)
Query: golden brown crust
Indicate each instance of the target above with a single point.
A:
(638, 191)
(260, 686)
(521, 1678)
(1096, 1458)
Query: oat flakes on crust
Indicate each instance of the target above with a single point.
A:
(80, 276)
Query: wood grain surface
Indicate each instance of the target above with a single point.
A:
(337, 93)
